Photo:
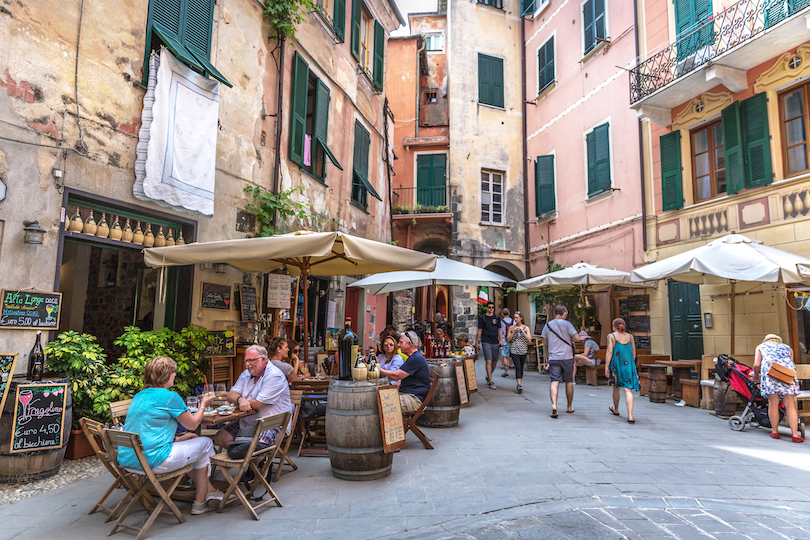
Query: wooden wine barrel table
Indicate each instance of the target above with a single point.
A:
(725, 399)
(444, 406)
(353, 432)
(657, 378)
(30, 465)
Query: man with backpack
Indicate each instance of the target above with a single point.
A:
(558, 336)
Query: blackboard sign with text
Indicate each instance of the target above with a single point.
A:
(215, 296)
(39, 414)
(34, 310)
(642, 342)
(7, 362)
(248, 302)
(638, 323)
(223, 343)
(540, 320)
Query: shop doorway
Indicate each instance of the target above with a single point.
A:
(686, 326)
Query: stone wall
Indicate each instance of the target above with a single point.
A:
(402, 304)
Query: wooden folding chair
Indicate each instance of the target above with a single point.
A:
(92, 430)
(118, 410)
(409, 419)
(314, 392)
(143, 480)
(224, 462)
(295, 398)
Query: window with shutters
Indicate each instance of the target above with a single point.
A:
(795, 125)
(544, 200)
(597, 143)
(671, 174)
(492, 197)
(746, 142)
(368, 44)
(184, 28)
(490, 80)
(691, 27)
(708, 161)
(532, 8)
(309, 120)
(431, 183)
(594, 24)
(545, 65)
(333, 13)
(366, 32)
(492, 3)
(361, 185)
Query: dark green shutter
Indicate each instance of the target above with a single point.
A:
(546, 64)
(197, 35)
(484, 82)
(526, 7)
(590, 143)
(362, 144)
(602, 157)
(357, 13)
(431, 179)
(340, 19)
(588, 24)
(671, 178)
(167, 14)
(379, 55)
(322, 121)
(754, 115)
(733, 148)
(544, 185)
(496, 71)
(298, 114)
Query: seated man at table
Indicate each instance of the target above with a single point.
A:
(261, 387)
(414, 374)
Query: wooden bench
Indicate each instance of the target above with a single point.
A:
(691, 392)
(592, 372)
(803, 399)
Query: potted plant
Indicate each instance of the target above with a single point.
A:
(79, 357)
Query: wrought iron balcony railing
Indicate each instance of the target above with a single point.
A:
(421, 200)
(709, 39)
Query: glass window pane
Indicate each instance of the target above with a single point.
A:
(701, 141)
(496, 208)
(485, 186)
(486, 198)
(702, 164)
(496, 188)
(721, 182)
(704, 187)
(794, 104)
(795, 131)
(496, 198)
(484, 216)
(717, 133)
(496, 218)
(797, 158)
(719, 158)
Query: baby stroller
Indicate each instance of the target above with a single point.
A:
(741, 379)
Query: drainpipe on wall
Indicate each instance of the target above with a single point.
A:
(279, 104)
(419, 51)
(525, 153)
(388, 166)
(641, 148)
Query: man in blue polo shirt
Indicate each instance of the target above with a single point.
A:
(414, 373)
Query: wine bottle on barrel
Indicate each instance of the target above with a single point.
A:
(347, 349)
(36, 360)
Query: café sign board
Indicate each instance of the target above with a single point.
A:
(31, 309)
(39, 417)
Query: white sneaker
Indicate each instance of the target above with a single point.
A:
(198, 508)
(216, 495)
(492, 385)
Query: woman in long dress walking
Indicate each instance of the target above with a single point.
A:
(620, 367)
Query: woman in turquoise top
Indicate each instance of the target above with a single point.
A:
(620, 367)
(154, 414)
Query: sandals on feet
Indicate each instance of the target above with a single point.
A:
(774, 435)
(613, 411)
(631, 421)
(554, 413)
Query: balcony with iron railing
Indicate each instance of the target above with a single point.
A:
(719, 51)
(421, 201)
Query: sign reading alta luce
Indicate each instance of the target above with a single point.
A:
(30, 309)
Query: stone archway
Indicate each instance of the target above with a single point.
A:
(510, 270)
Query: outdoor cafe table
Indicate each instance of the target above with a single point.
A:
(681, 369)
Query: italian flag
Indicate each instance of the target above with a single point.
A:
(483, 297)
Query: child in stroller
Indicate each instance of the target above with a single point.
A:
(741, 379)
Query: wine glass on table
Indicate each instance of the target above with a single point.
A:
(221, 391)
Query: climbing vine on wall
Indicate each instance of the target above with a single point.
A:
(284, 15)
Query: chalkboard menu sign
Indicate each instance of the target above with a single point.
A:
(540, 321)
(31, 309)
(642, 342)
(7, 362)
(39, 415)
(393, 429)
(638, 323)
(639, 302)
(249, 304)
(223, 343)
(215, 296)
(462, 385)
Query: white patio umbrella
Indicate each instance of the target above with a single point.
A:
(583, 276)
(731, 258)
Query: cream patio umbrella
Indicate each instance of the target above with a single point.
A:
(303, 252)
(730, 259)
(584, 277)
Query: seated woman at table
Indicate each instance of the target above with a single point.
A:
(294, 358)
(464, 344)
(389, 358)
(154, 414)
(281, 355)
(620, 367)
(772, 351)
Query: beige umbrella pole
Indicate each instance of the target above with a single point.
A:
(305, 334)
(733, 302)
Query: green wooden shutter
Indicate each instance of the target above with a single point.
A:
(602, 136)
(526, 7)
(379, 55)
(484, 81)
(362, 144)
(754, 115)
(424, 178)
(544, 185)
(588, 25)
(671, 178)
(546, 64)
(357, 13)
(497, 81)
(196, 31)
(733, 148)
(590, 142)
(298, 115)
(339, 19)
(167, 14)
(322, 121)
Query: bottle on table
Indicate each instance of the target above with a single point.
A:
(347, 351)
(36, 360)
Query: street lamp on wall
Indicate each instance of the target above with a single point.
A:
(33, 232)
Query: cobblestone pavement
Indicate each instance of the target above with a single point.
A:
(510, 471)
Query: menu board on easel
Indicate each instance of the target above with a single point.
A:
(215, 296)
(39, 417)
(462, 386)
(393, 429)
(469, 369)
(7, 363)
(248, 303)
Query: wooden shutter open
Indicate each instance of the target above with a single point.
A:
(357, 13)
(339, 19)
(590, 143)
(322, 121)
(671, 177)
(544, 185)
(298, 115)
(602, 143)
(733, 148)
(484, 80)
(197, 25)
(496, 72)
(588, 25)
(379, 55)
(756, 140)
